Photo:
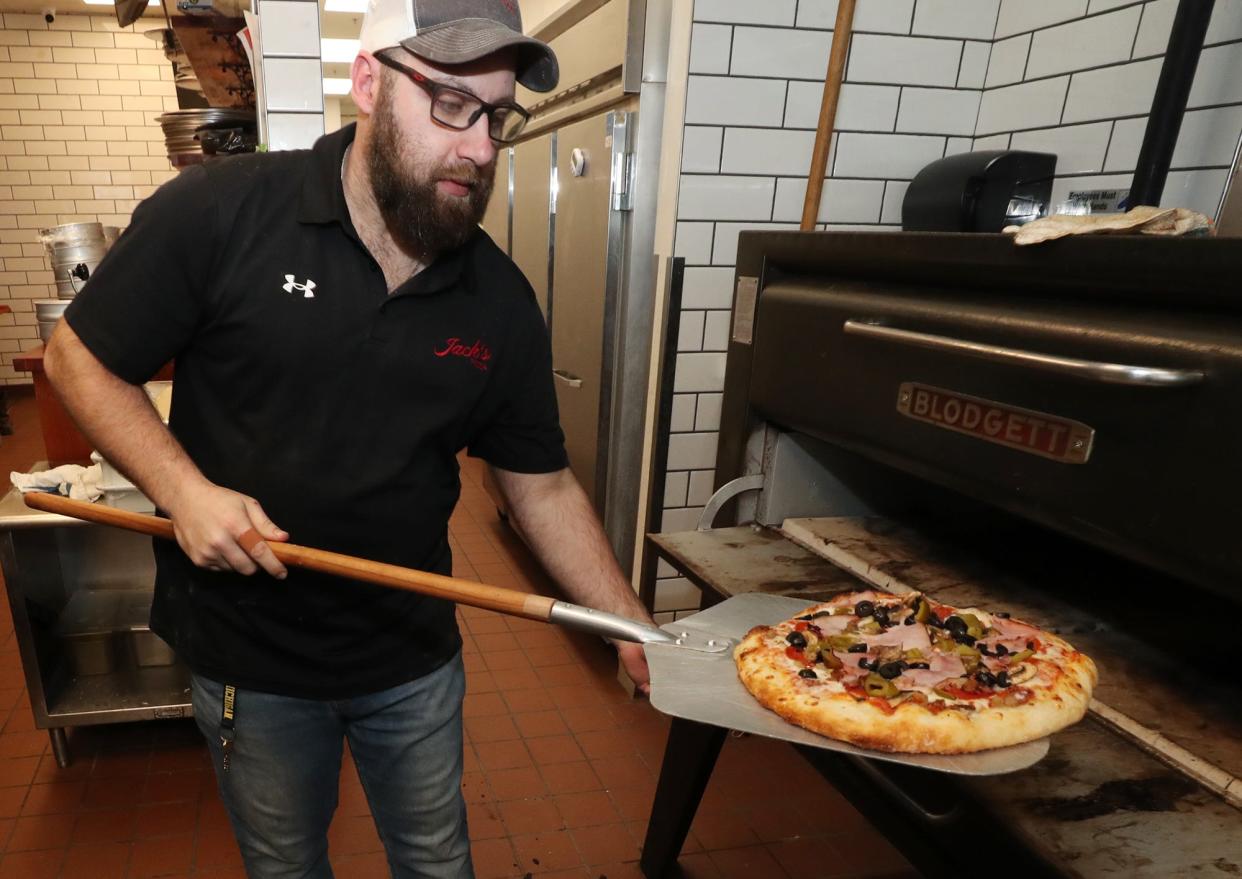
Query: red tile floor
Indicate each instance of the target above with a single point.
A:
(560, 765)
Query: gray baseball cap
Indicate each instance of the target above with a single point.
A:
(457, 31)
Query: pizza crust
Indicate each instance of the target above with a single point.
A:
(825, 707)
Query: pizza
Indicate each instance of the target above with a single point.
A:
(906, 673)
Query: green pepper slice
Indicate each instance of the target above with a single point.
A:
(874, 685)
(840, 642)
(974, 626)
(829, 661)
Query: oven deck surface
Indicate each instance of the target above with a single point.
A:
(1098, 804)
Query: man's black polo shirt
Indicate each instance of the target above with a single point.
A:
(341, 408)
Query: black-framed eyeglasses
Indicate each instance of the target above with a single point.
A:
(458, 109)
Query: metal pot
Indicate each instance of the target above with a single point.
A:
(47, 313)
(74, 250)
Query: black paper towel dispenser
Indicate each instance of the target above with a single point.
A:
(979, 192)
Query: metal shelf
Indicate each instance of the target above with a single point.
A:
(128, 694)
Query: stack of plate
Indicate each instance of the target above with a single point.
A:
(181, 126)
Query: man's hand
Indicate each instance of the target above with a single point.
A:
(634, 661)
(222, 530)
(219, 529)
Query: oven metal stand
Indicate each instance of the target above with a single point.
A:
(689, 758)
(60, 746)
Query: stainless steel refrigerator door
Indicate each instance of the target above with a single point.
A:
(496, 221)
(579, 307)
(532, 218)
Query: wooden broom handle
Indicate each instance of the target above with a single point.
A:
(507, 601)
(827, 112)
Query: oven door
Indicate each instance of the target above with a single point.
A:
(1120, 426)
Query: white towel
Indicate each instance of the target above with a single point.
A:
(78, 482)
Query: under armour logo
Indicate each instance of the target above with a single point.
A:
(307, 290)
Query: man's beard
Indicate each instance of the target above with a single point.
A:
(419, 218)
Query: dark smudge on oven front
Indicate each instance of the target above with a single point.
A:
(1159, 794)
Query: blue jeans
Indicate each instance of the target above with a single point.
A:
(280, 788)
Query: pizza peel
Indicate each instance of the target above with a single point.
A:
(692, 671)
(507, 601)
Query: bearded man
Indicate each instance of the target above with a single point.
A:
(341, 329)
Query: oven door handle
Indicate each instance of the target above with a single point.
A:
(1092, 370)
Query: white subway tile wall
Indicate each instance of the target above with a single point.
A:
(675, 487)
(716, 338)
(707, 288)
(886, 156)
(690, 333)
(700, 489)
(992, 142)
(701, 149)
(732, 100)
(859, 108)
(781, 52)
(1111, 92)
(691, 451)
(707, 417)
(877, 16)
(972, 19)
(1017, 16)
(925, 78)
(766, 151)
(1218, 79)
(1079, 45)
(699, 372)
(694, 243)
(78, 143)
(778, 12)
(1153, 35)
(974, 67)
(904, 60)
(1086, 86)
(1024, 105)
(710, 45)
(1007, 61)
(842, 201)
(725, 198)
(683, 412)
(938, 111)
(1226, 26)
(1080, 149)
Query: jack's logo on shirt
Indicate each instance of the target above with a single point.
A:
(478, 354)
(307, 290)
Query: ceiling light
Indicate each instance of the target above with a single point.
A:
(359, 6)
(338, 51)
(336, 85)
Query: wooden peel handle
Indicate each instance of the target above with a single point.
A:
(507, 601)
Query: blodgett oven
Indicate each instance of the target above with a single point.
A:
(1055, 431)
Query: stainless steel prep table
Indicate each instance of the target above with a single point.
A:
(1098, 805)
(52, 563)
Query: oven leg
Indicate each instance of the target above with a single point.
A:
(60, 746)
(689, 758)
